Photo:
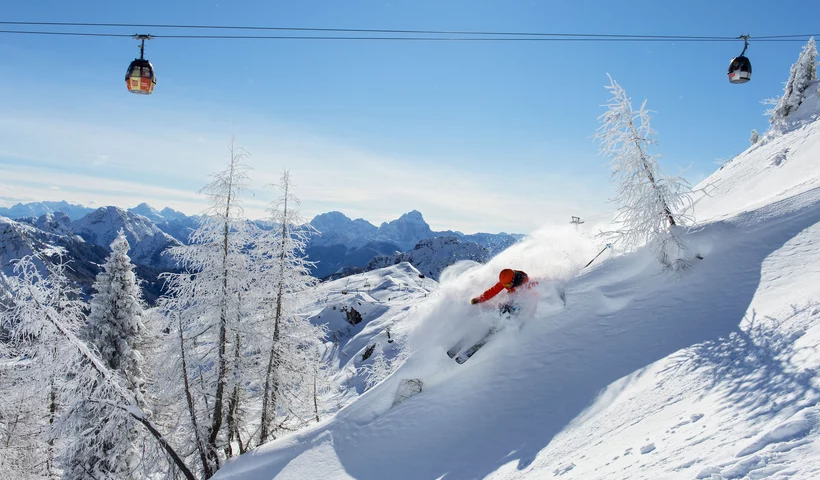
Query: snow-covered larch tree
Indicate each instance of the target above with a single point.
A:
(208, 302)
(652, 207)
(23, 447)
(115, 328)
(802, 74)
(293, 353)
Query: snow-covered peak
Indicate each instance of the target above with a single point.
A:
(101, 226)
(161, 217)
(37, 209)
(146, 239)
(57, 222)
(171, 214)
(337, 229)
(331, 220)
(147, 211)
(406, 231)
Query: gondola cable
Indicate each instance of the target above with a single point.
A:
(140, 77)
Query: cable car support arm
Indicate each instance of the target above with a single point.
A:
(143, 38)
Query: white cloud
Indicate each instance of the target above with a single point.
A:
(165, 158)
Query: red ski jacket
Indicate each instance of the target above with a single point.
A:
(521, 280)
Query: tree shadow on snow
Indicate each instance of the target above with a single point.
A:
(753, 368)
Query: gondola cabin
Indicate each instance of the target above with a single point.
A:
(140, 77)
(740, 70)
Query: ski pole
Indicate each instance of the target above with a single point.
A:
(608, 245)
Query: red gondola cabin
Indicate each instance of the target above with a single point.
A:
(140, 77)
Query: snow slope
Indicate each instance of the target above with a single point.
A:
(777, 167)
(641, 375)
(386, 300)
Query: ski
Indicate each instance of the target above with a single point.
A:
(455, 349)
(464, 356)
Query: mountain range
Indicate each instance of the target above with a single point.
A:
(37, 209)
(340, 247)
(345, 243)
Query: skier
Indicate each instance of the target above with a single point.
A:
(515, 282)
(512, 281)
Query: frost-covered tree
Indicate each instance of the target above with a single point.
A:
(651, 206)
(115, 329)
(24, 444)
(380, 366)
(209, 304)
(755, 137)
(293, 360)
(44, 317)
(378, 369)
(115, 324)
(802, 73)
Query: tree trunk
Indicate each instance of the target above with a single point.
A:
(52, 415)
(636, 139)
(200, 445)
(233, 403)
(222, 362)
(167, 447)
(271, 381)
(315, 400)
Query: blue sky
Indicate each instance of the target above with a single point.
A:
(477, 136)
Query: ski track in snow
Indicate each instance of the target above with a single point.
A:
(641, 376)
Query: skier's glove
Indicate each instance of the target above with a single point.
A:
(473, 301)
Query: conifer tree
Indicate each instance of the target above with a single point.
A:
(802, 74)
(115, 329)
(755, 137)
(115, 324)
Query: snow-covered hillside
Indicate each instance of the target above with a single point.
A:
(777, 167)
(364, 312)
(18, 239)
(641, 375)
